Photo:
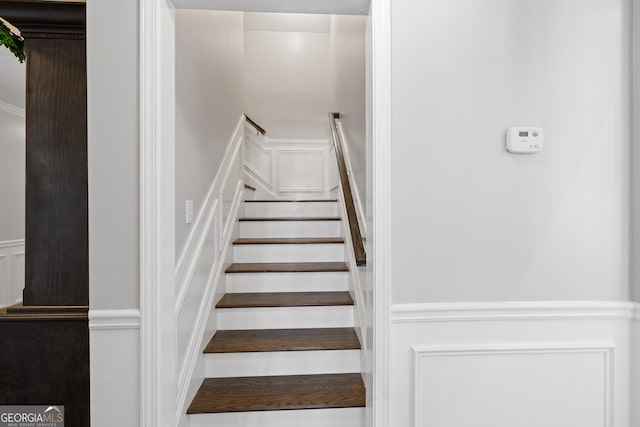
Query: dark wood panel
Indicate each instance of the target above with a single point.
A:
(56, 243)
(279, 392)
(259, 340)
(46, 361)
(284, 299)
(36, 18)
(329, 218)
(286, 267)
(288, 241)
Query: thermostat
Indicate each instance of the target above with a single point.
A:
(525, 140)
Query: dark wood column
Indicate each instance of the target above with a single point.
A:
(56, 239)
(45, 342)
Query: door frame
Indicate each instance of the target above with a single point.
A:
(157, 193)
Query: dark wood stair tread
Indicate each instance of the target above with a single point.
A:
(283, 392)
(290, 218)
(287, 241)
(286, 267)
(260, 340)
(284, 299)
(293, 201)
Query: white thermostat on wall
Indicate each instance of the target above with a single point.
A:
(525, 140)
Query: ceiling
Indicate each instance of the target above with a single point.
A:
(329, 7)
(12, 73)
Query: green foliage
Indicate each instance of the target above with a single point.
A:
(12, 41)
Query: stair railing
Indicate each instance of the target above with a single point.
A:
(352, 216)
(255, 125)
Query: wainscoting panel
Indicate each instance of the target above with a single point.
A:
(285, 169)
(301, 170)
(199, 271)
(529, 387)
(11, 272)
(114, 340)
(502, 364)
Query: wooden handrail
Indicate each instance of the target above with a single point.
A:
(352, 217)
(255, 125)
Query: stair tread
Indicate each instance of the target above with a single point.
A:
(262, 340)
(282, 392)
(286, 241)
(290, 218)
(292, 201)
(286, 267)
(284, 299)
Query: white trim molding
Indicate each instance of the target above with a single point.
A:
(510, 310)
(12, 109)
(267, 166)
(200, 270)
(543, 345)
(114, 319)
(157, 214)
(381, 226)
(636, 311)
(11, 243)
(510, 353)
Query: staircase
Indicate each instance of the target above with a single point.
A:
(286, 352)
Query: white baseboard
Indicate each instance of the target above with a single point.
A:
(114, 339)
(495, 362)
(11, 272)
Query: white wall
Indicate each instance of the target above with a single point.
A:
(474, 223)
(348, 57)
(288, 78)
(114, 232)
(209, 84)
(12, 176)
(113, 152)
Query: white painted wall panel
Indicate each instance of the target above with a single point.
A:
(553, 387)
(504, 364)
(473, 222)
(300, 171)
(11, 272)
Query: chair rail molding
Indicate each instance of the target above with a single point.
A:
(511, 310)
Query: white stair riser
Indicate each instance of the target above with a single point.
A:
(285, 317)
(335, 417)
(289, 209)
(288, 282)
(282, 363)
(322, 252)
(258, 229)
